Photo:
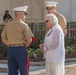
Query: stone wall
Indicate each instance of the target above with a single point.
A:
(4, 4)
(36, 10)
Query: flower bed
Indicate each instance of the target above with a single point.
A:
(35, 55)
(71, 54)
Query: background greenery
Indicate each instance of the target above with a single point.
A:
(38, 29)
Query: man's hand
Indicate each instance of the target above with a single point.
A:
(65, 31)
(5, 41)
(28, 42)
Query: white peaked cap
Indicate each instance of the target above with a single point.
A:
(50, 3)
(22, 8)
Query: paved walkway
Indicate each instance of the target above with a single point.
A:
(37, 70)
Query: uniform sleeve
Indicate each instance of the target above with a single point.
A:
(62, 22)
(3, 34)
(56, 39)
(27, 32)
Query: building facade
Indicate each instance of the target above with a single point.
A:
(36, 10)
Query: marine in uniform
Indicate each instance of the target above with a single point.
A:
(51, 9)
(17, 36)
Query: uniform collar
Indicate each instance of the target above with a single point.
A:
(16, 19)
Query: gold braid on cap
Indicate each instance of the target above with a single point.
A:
(49, 7)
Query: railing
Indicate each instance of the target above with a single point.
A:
(38, 30)
(71, 30)
(1, 28)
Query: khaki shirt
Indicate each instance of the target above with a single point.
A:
(61, 21)
(16, 32)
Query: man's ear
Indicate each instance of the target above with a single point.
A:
(20, 13)
(54, 8)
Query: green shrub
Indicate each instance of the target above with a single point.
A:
(35, 55)
(3, 49)
(31, 53)
(71, 48)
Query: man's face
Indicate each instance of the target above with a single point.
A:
(50, 9)
(23, 15)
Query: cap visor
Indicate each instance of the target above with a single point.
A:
(49, 8)
(25, 13)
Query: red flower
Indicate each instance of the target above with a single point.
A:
(33, 39)
(72, 30)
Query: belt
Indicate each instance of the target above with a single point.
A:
(14, 45)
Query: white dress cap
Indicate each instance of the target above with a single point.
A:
(22, 8)
(50, 3)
